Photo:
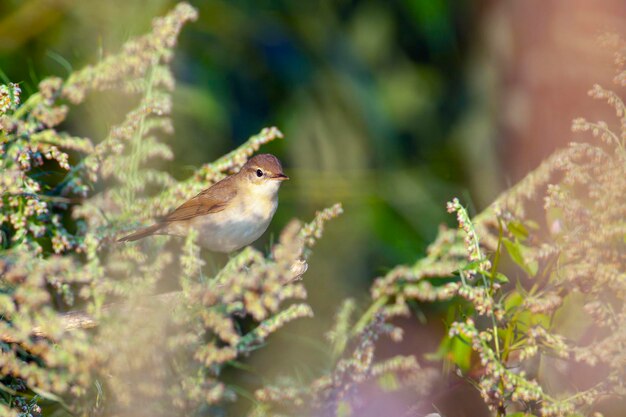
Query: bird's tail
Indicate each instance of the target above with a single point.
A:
(141, 233)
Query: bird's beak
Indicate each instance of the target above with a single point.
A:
(280, 177)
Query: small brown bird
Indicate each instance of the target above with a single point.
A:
(230, 214)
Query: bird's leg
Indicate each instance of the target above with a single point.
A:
(201, 277)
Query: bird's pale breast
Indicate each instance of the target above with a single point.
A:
(241, 223)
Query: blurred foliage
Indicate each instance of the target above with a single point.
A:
(165, 351)
(370, 95)
(549, 342)
(374, 100)
(369, 112)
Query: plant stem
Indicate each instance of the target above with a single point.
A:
(367, 316)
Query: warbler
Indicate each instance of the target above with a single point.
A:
(230, 214)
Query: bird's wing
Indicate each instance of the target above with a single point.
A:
(212, 200)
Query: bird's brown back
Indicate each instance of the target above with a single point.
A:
(212, 200)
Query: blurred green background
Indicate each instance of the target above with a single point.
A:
(390, 107)
(369, 94)
(374, 99)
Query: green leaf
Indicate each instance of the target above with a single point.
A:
(50, 397)
(461, 353)
(472, 266)
(456, 350)
(518, 230)
(516, 251)
(523, 319)
(513, 300)
(571, 319)
(500, 277)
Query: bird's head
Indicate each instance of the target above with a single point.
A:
(264, 173)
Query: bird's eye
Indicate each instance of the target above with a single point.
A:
(259, 173)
